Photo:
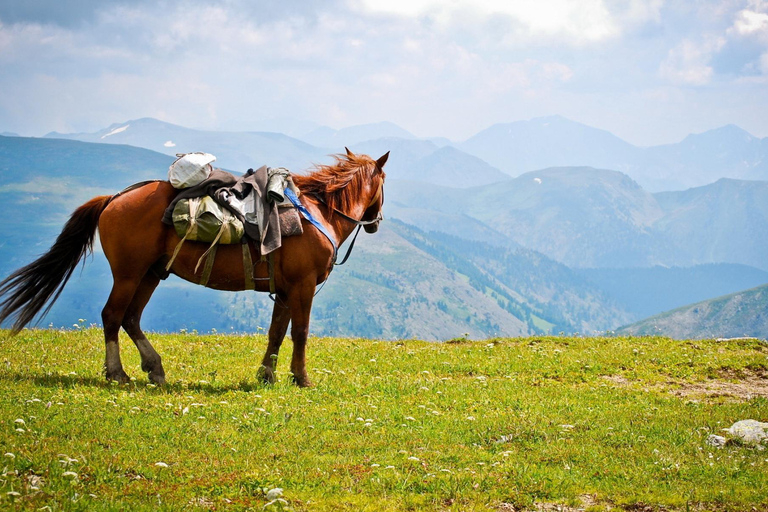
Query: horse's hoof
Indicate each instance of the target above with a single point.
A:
(302, 382)
(156, 378)
(266, 375)
(120, 377)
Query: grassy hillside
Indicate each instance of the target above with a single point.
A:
(507, 424)
(743, 313)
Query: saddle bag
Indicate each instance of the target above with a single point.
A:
(201, 219)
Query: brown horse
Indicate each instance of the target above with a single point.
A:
(138, 246)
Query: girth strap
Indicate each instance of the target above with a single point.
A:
(208, 265)
(250, 284)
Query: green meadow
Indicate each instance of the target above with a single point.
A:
(547, 423)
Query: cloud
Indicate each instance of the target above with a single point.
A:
(689, 62)
(436, 67)
(588, 20)
(750, 23)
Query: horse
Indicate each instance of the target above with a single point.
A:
(138, 246)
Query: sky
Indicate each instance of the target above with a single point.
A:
(649, 71)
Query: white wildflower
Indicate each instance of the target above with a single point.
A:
(19, 421)
(275, 493)
(415, 459)
(161, 464)
(69, 474)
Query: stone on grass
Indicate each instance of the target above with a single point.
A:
(750, 431)
(716, 441)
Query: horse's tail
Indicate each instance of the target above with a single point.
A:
(28, 289)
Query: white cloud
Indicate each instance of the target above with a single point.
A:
(688, 63)
(587, 20)
(751, 22)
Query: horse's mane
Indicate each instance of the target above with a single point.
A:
(340, 184)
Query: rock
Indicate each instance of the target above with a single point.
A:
(749, 431)
(716, 441)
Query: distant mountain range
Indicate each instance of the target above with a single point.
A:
(592, 218)
(478, 251)
(700, 159)
(411, 158)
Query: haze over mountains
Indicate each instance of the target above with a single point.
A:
(513, 148)
(535, 226)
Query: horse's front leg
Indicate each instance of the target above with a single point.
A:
(300, 304)
(281, 316)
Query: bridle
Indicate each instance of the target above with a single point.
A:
(361, 222)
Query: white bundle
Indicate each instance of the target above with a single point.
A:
(189, 169)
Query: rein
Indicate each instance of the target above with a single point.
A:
(312, 220)
(358, 223)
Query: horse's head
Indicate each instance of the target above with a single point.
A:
(375, 191)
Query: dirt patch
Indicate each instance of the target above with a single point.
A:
(743, 384)
(587, 500)
(744, 389)
(619, 380)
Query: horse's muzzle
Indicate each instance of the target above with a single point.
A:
(371, 228)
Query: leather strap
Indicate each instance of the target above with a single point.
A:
(208, 265)
(250, 284)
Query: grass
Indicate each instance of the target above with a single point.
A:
(507, 424)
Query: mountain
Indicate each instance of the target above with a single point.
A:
(329, 138)
(648, 291)
(410, 158)
(703, 158)
(237, 151)
(290, 126)
(554, 141)
(592, 218)
(405, 283)
(698, 160)
(739, 314)
(422, 160)
(578, 216)
(726, 221)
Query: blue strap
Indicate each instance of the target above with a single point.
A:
(311, 219)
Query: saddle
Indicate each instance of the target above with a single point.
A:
(223, 209)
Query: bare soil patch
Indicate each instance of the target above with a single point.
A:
(740, 385)
(587, 500)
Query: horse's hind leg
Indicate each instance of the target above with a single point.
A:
(150, 359)
(281, 316)
(112, 315)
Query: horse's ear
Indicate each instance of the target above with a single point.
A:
(382, 160)
(349, 153)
